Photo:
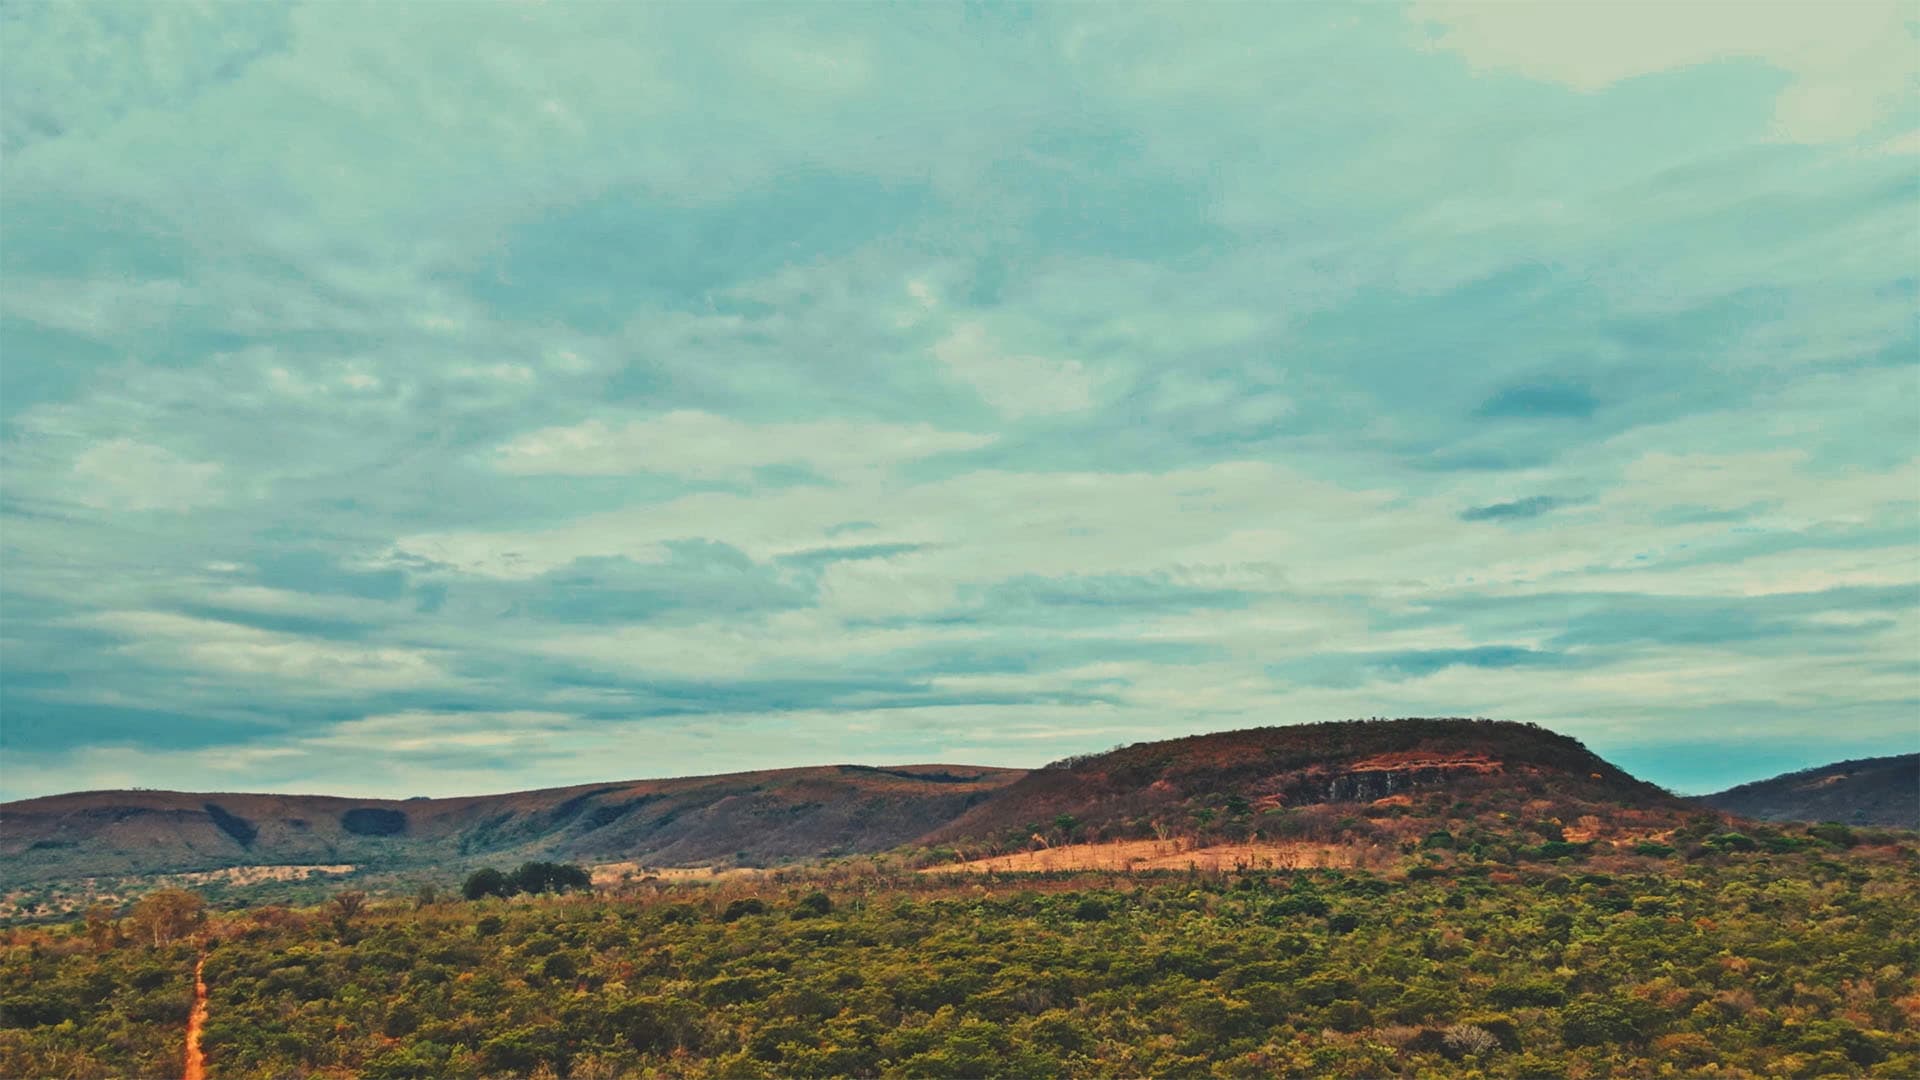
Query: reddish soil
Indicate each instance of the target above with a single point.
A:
(196, 1021)
(1408, 760)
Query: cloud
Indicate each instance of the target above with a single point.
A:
(1540, 399)
(122, 474)
(1016, 386)
(702, 446)
(283, 662)
(660, 382)
(1518, 510)
(1848, 69)
(701, 577)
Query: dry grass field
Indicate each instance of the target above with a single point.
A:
(1163, 855)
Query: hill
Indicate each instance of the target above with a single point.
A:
(756, 817)
(1870, 791)
(1344, 793)
(1318, 782)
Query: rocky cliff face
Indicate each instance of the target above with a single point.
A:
(1380, 777)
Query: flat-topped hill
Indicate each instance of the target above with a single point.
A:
(1266, 781)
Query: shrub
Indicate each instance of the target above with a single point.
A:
(483, 883)
(1091, 909)
(1530, 992)
(1833, 833)
(1602, 1021)
(545, 877)
(743, 907)
(1464, 1039)
(813, 905)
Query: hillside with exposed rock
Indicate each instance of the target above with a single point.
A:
(1318, 782)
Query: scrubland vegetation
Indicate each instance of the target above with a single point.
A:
(1790, 955)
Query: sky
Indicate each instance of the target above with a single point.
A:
(438, 398)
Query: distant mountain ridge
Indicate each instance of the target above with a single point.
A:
(1867, 791)
(770, 816)
(1308, 780)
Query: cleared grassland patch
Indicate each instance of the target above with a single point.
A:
(1126, 855)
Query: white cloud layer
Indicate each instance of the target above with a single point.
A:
(548, 393)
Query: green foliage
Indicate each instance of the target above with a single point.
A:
(1789, 964)
(742, 908)
(1833, 833)
(1532, 991)
(536, 878)
(1596, 1021)
(483, 883)
(533, 878)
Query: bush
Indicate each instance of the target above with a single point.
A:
(1833, 833)
(1602, 1021)
(813, 905)
(742, 908)
(545, 877)
(1462, 1040)
(1091, 909)
(483, 883)
(1530, 992)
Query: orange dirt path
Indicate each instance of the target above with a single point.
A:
(196, 1060)
(1159, 855)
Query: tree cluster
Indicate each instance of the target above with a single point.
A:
(533, 878)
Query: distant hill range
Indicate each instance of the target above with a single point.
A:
(743, 818)
(1221, 786)
(1870, 791)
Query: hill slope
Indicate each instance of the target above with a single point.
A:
(1870, 791)
(752, 817)
(1379, 783)
(1283, 781)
